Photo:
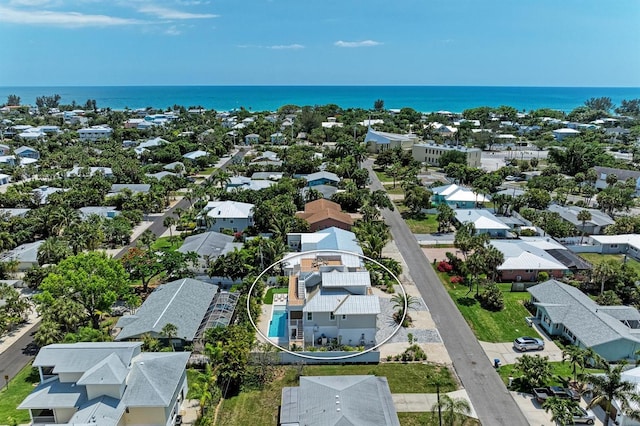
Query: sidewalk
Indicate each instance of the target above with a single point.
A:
(421, 402)
(10, 338)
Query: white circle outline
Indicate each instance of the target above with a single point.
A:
(323, 358)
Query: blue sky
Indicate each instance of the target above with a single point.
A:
(312, 42)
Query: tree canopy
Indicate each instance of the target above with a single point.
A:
(93, 280)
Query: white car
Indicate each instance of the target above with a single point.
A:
(580, 415)
(528, 344)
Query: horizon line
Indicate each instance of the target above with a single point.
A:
(320, 85)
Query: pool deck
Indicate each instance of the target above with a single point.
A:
(279, 300)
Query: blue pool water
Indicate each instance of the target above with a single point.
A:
(278, 324)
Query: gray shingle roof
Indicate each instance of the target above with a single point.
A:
(621, 174)
(109, 371)
(55, 394)
(591, 324)
(182, 303)
(102, 411)
(212, 244)
(80, 357)
(154, 378)
(570, 214)
(339, 400)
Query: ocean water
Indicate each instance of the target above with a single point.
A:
(269, 98)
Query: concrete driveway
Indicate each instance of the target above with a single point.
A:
(508, 355)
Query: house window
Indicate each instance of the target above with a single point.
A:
(309, 316)
(344, 317)
(332, 317)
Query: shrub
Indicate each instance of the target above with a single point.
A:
(457, 265)
(445, 267)
(456, 279)
(492, 298)
(543, 276)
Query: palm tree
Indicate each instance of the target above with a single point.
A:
(52, 251)
(454, 410)
(220, 177)
(48, 333)
(169, 331)
(610, 386)
(584, 216)
(574, 355)
(445, 217)
(400, 301)
(561, 410)
(168, 223)
(603, 272)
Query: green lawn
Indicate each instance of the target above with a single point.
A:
(595, 258)
(424, 224)
(11, 397)
(558, 369)
(261, 407)
(402, 378)
(385, 177)
(503, 326)
(423, 419)
(207, 171)
(391, 190)
(165, 243)
(268, 297)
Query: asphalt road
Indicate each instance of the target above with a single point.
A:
(157, 227)
(14, 358)
(489, 396)
(18, 355)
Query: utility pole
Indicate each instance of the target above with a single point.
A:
(439, 407)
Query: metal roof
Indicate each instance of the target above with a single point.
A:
(346, 279)
(339, 400)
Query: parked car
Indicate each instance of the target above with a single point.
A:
(528, 344)
(541, 394)
(580, 415)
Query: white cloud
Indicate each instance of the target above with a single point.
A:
(62, 19)
(286, 46)
(173, 31)
(363, 43)
(29, 2)
(166, 13)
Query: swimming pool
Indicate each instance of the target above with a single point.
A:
(278, 324)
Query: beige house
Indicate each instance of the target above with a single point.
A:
(107, 384)
(430, 153)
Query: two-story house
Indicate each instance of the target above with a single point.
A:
(331, 303)
(107, 384)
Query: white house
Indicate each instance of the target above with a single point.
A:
(621, 175)
(430, 153)
(26, 255)
(457, 197)
(484, 221)
(107, 384)
(328, 303)
(231, 215)
(95, 133)
(194, 155)
(561, 134)
(380, 141)
(78, 171)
